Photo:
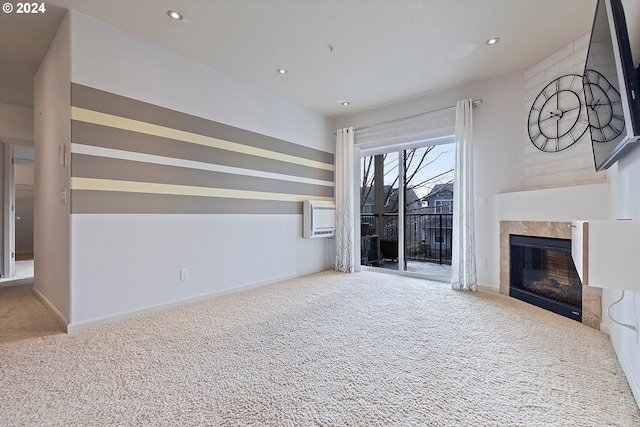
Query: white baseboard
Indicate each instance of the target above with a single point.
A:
(52, 307)
(489, 288)
(634, 382)
(117, 317)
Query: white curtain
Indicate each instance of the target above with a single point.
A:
(463, 259)
(344, 194)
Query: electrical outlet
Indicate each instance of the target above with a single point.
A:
(482, 262)
(184, 274)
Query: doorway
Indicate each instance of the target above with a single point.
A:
(18, 214)
(406, 210)
(24, 212)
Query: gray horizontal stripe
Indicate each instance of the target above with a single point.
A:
(109, 202)
(119, 139)
(85, 166)
(106, 102)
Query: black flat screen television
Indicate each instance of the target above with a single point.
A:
(610, 82)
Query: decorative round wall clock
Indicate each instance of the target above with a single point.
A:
(558, 116)
(604, 107)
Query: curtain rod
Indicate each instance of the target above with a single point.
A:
(474, 103)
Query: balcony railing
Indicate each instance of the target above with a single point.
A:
(428, 237)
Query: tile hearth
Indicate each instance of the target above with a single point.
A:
(591, 297)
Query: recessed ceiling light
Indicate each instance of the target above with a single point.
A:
(492, 41)
(282, 70)
(345, 103)
(173, 14)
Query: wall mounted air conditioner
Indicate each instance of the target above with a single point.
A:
(318, 219)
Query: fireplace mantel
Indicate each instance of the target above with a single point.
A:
(591, 297)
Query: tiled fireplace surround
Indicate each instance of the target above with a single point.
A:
(591, 297)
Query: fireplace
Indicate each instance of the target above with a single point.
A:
(590, 303)
(542, 273)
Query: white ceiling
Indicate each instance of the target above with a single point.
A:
(383, 51)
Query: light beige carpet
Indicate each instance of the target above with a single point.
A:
(23, 315)
(366, 349)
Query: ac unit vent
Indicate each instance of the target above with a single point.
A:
(318, 219)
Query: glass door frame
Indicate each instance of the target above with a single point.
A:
(400, 149)
(401, 215)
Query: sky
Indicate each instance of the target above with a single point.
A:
(440, 159)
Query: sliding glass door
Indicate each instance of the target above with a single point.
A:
(406, 206)
(379, 197)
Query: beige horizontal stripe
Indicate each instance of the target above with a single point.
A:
(110, 120)
(96, 184)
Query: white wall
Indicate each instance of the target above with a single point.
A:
(499, 161)
(556, 204)
(122, 264)
(625, 200)
(16, 124)
(137, 263)
(51, 212)
(626, 194)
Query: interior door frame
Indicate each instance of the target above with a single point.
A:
(9, 211)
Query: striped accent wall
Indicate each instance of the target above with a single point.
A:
(128, 156)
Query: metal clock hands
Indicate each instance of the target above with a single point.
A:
(595, 104)
(557, 115)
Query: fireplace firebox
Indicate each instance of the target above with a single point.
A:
(542, 273)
